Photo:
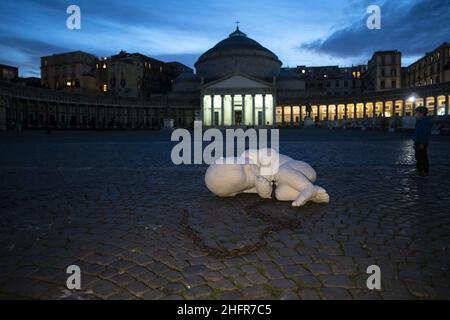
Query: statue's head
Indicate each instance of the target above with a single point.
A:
(230, 176)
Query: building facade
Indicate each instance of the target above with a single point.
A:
(433, 68)
(27, 107)
(132, 75)
(70, 72)
(8, 73)
(384, 71)
(237, 83)
(332, 80)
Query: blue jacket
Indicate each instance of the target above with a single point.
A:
(422, 132)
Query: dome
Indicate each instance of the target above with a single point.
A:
(238, 53)
(187, 81)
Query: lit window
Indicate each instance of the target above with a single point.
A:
(160, 69)
(96, 66)
(69, 83)
(303, 71)
(105, 88)
(104, 66)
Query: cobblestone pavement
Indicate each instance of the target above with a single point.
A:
(141, 228)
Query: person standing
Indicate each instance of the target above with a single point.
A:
(421, 139)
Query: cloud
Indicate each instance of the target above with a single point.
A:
(184, 29)
(411, 27)
(31, 46)
(26, 53)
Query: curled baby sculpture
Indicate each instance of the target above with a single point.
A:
(265, 172)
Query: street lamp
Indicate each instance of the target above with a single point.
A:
(412, 99)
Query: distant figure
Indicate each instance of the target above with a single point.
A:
(421, 139)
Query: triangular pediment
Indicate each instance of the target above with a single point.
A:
(237, 81)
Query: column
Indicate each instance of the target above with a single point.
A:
(355, 109)
(47, 124)
(346, 111)
(435, 106)
(274, 109)
(212, 111)
(282, 115)
(384, 109)
(364, 110)
(202, 111)
(264, 110)
(292, 116)
(223, 110)
(56, 115)
(79, 117)
(374, 110)
(318, 112)
(253, 109)
(301, 115)
(336, 116)
(403, 107)
(328, 112)
(243, 109)
(233, 117)
(446, 104)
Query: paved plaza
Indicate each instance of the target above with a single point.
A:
(142, 228)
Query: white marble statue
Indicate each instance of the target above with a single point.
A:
(257, 171)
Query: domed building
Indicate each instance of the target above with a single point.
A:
(238, 83)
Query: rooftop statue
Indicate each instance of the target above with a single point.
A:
(268, 174)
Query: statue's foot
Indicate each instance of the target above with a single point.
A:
(321, 196)
(300, 201)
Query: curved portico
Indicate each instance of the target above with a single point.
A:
(387, 104)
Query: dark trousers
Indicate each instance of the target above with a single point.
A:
(422, 158)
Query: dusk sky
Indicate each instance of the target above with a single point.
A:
(306, 32)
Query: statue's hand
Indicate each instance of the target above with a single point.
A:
(263, 187)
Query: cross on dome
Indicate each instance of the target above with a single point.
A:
(238, 32)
